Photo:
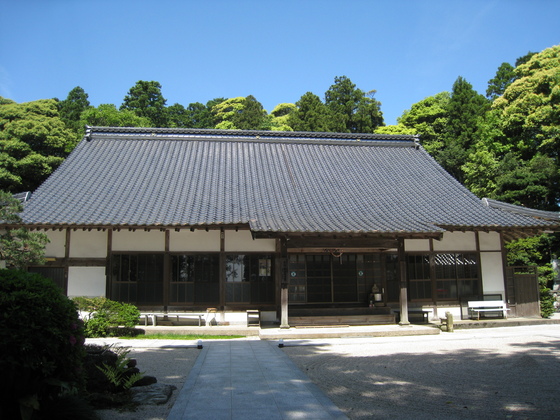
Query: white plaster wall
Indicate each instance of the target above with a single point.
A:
(199, 240)
(55, 248)
(88, 244)
(492, 273)
(489, 241)
(417, 244)
(86, 281)
(138, 240)
(456, 241)
(243, 241)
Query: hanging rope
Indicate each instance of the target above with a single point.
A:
(335, 252)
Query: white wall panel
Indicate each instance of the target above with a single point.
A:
(199, 240)
(86, 281)
(242, 241)
(139, 240)
(88, 244)
(416, 245)
(55, 248)
(456, 241)
(489, 241)
(492, 273)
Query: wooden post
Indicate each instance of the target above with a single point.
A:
(403, 300)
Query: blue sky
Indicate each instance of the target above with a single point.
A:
(275, 51)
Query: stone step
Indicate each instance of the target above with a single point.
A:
(342, 320)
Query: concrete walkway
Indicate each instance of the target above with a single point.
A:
(249, 380)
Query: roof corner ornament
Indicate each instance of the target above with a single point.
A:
(417, 141)
(485, 202)
(87, 135)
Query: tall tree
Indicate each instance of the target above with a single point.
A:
(353, 110)
(146, 100)
(530, 106)
(311, 114)
(177, 116)
(72, 107)
(503, 78)
(464, 111)
(33, 142)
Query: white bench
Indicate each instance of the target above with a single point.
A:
(478, 306)
(154, 315)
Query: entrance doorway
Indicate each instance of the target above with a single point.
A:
(331, 279)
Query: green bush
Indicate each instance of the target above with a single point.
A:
(546, 278)
(104, 317)
(41, 346)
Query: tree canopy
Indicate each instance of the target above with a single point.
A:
(33, 142)
(146, 100)
(18, 246)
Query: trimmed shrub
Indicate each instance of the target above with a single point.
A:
(546, 278)
(41, 346)
(104, 317)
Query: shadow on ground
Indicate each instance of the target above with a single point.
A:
(378, 382)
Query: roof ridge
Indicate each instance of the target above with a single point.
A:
(254, 135)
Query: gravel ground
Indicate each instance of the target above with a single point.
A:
(502, 373)
(496, 373)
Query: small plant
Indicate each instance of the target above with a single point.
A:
(104, 317)
(120, 374)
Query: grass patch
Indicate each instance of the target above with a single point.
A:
(182, 337)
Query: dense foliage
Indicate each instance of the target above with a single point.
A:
(18, 246)
(103, 317)
(41, 346)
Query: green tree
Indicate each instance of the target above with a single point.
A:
(177, 116)
(200, 115)
(146, 100)
(240, 114)
(464, 111)
(428, 119)
(18, 246)
(503, 78)
(353, 110)
(72, 107)
(107, 115)
(311, 114)
(280, 115)
(530, 107)
(533, 183)
(33, 142)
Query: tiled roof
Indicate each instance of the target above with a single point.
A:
(270, 181)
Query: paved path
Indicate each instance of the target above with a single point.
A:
(249, 380)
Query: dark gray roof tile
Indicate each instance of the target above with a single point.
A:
(271, 181)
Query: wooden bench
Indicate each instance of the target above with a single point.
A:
(478, 306)
(154, 316)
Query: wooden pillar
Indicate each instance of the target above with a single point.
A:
(166, 271)
(284, 282)
(403, 299)
(222, 270)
